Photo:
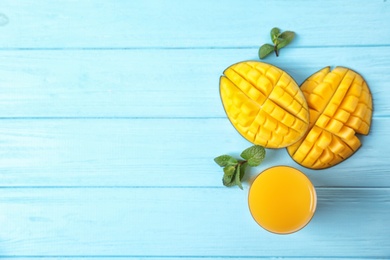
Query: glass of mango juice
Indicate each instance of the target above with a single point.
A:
(282, 200)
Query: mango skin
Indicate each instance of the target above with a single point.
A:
(264, 104)
(340, 105)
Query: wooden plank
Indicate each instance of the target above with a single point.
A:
(157, 83)
(124, 24)
(178, 257)
(182, 222)
(157, 152)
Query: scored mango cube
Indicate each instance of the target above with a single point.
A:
(271, 111)
(340, 105)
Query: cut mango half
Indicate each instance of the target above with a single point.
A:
(264, 104)
(340, 105)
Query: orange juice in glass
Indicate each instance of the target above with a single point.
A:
(282, 199)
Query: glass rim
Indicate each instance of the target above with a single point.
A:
(314, 198)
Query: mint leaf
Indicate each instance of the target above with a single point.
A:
(265, 50)
(285, 38)
(243, 167)
(279, 40)
(275, 32)
(237, 176)
(225, 160)
(234, 170)
(254, 155)
(228, 176)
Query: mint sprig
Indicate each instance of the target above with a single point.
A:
(234, 169)
(279, 40)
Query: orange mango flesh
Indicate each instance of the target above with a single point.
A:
(282, 200)
(264, 104)
(340, 105)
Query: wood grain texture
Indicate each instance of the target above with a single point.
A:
(178, 257)
(157, 152)
(110, 117)
(184, 222)
(145, 24)
(157, 83)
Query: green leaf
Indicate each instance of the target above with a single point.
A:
(285, 38)
(265, 50)
(225, 160)
(243, 169)
(254, 155)
(237, 177)
(228, 176)
(275, 32)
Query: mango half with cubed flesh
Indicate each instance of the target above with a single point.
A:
(340, 105)
(264, 104)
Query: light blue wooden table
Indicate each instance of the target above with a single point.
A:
(111, 118)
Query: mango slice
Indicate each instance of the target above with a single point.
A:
(340, 105)
(264, 104)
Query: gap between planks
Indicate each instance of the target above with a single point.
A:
(124, 48)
